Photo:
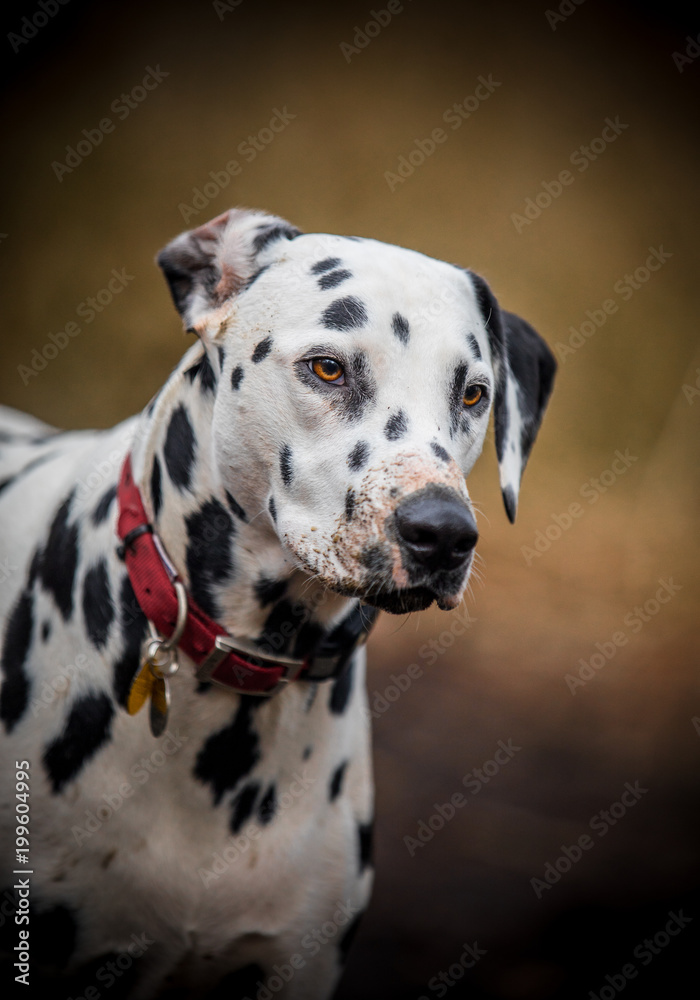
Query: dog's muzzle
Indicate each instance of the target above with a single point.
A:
(435, 533)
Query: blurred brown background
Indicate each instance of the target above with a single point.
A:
(538, 613)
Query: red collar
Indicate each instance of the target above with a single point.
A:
(219, 657)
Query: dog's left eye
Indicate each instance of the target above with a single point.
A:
(328, 370)
(473, 394)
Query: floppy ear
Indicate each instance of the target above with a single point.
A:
(524, 367)
(208, 265)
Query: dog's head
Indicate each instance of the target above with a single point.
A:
(356, 384)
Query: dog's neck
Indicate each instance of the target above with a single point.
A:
(229, 555)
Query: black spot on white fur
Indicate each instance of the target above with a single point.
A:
(268, 591)
(229, 755)
(438, 450)
(268, 806)
(237, 377)
(358, 456)
(133, 627)
(261, 350)
(14, 696)
(364, 843)
(243, 805)
(86, 729)
(278, 231)
(341, 690)
(156, 487)
(399, 324)
(101, 511)
(336, 783)
(344, 314)
(286, 469)
(284, 622)
(350, 500)
(98, 608)
(236, 507)
(327, 264)
(396, 426)
(333, 278)
(178, 450)
(474, 346)
(203, 370)
(210, 531)
(60, 560)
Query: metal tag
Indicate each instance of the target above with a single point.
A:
(160, 705)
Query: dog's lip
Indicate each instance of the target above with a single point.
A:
(401, 602)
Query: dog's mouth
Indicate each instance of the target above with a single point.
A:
(402, 602)
(398, 601)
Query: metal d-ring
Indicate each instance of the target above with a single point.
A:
(160, 653)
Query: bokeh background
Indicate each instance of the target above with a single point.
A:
(631, 386)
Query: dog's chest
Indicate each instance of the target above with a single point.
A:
(225, 830)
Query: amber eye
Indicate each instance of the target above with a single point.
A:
(328, 370)
(472, 395)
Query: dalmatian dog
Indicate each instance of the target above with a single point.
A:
(183, 699)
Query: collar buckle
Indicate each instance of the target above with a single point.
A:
(224, 647)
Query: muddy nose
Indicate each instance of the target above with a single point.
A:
(438, 531)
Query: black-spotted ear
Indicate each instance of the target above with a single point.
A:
(208, 265)
(524, 368)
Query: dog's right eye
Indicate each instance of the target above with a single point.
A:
(327, 370)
